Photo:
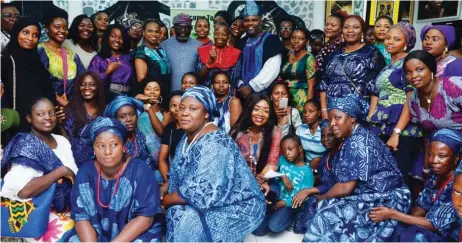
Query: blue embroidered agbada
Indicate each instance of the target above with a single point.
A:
(224, 201)
(363, 158)
(28, 150)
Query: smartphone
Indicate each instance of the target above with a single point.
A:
(283, 103)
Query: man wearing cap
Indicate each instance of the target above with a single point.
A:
(181, 50)
(261, 54)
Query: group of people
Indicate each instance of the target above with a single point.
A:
(142, 137)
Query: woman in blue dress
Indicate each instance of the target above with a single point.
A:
(353, 68)
(457, 199)
(114, 197)
(432, 218)
(212, 194)
(86, 104)
(366, 175)
(127, 110)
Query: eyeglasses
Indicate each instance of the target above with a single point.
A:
(10, 15)
(286, 28)
(316, 36)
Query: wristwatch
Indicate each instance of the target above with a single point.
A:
(397, 130)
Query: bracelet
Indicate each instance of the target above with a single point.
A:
(323, 109)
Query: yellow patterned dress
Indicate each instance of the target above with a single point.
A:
(296, 75)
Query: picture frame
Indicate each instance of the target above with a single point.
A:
(388, 8)
(436, 11)
(332, 6)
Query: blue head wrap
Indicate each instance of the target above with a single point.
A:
(458, 170)
(206, 97)
(122, 100)
(452, 138)
(251, 9)
(324, 123)
(103, 124)
(350, 104)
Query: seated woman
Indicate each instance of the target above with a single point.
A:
(35, 161)
(288, 117)
(170, 139)
(366, 176)
(127, 110)
(226, 204)
(219, 57)
(326, 180)
(427, 221)
(86, 104)
(153, 120)
(115, 198)
(230, 107)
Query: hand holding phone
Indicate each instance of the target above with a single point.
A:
(283, 103)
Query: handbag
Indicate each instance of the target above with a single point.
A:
(26, 219)
(10, 117)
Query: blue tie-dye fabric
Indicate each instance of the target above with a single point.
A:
(137, 195)
(363, 158)
(224, 201)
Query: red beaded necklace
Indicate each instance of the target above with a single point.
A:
(136, 147)
(99, 185)
(440, 191)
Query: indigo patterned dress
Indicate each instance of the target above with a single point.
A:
(296, 75)
(224, 201)
(450, 66)
(137, 195)
(440, 213)
(363, 158)
(82, 151)
(137, 148)
(352, 73)
(446, 107)
(152, 140)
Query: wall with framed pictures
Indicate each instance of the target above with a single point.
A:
(352, 7)
(380, 8)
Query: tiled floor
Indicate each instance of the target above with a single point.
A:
(286, 236)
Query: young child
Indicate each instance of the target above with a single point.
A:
(310, 133)
(189, 80)
(297, 176)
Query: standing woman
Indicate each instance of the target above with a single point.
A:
(353, 68)
(226, 204)
(21, 67)
(127, 110)
(381, 27)
(219, 57)
(86, 104)
(34, 161)
(432, 219)
(299, 70)
(62, 63)
(390, 116)
(151, 62)
(229, 107)
(333, 31)
(439, 40)
(115, 197)
(82, 39)
(202, 29)
(101, 21)
(236, 31)
(114, 63)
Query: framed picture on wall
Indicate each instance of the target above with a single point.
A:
(333, 6)
(384, 8)
(438, 10)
